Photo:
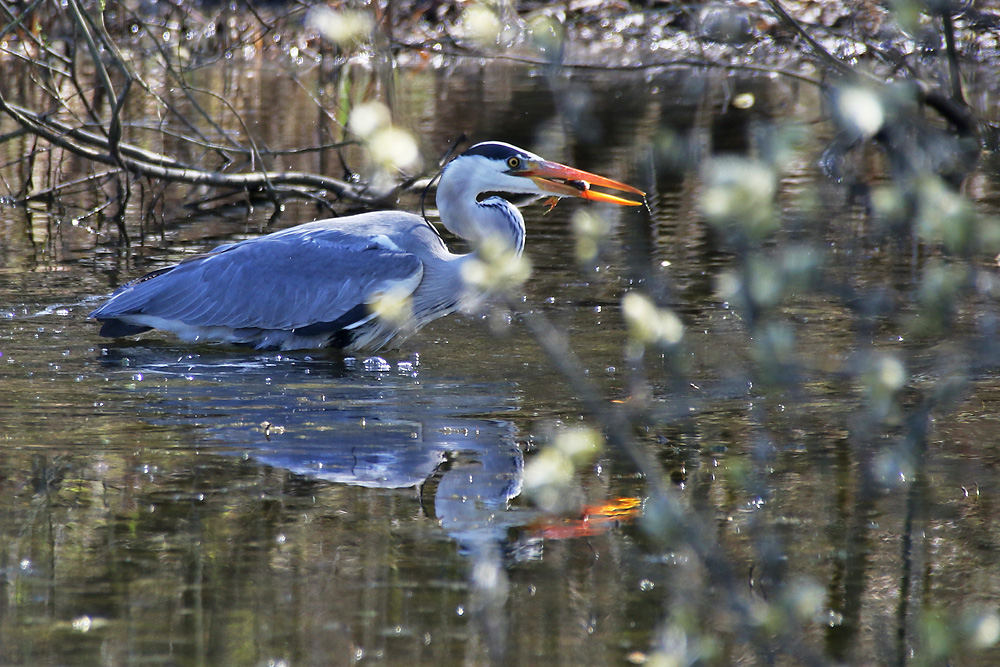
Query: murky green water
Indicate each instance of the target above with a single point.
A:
(170, 504)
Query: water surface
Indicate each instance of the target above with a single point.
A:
(168, 503)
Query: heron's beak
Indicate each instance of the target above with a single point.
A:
(572, 182)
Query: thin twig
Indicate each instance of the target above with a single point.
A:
(262, 152)
(64, 185)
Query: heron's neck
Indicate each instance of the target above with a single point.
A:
(493, 220)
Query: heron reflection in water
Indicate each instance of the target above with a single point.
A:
(316, 284)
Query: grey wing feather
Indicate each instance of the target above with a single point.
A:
(282, 281)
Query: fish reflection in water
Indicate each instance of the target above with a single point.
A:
(365, 422)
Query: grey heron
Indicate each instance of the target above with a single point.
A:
(314, 285)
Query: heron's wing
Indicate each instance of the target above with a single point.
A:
(281, 281)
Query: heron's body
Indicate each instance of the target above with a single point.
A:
(252, 292)
(315, 285)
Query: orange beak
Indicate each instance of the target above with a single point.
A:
(576, 183)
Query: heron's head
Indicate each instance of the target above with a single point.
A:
(495, 167)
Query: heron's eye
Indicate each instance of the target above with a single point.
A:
(513, 162)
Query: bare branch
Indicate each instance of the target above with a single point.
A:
(138, 161)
